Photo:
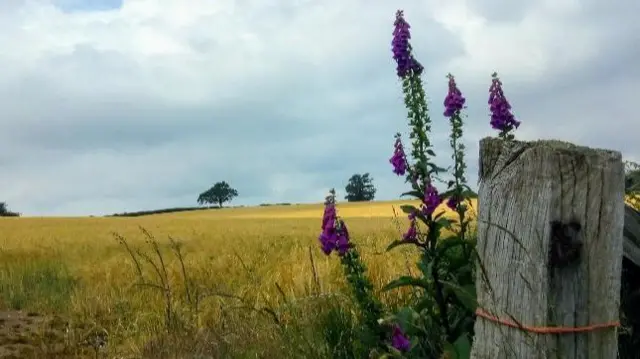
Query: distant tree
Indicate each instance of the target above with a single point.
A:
(220, 193)
(360, 188)
(5, 212)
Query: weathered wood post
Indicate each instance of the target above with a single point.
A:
(550, 228)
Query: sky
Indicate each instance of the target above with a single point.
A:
(122, 105)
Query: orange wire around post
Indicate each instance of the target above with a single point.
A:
(546, 330)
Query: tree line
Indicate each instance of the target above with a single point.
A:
(359, 188)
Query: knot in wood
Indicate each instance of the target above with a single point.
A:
(565, 243)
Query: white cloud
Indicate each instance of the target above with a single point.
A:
(549, 37)
(140, 106)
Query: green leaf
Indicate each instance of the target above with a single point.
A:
(450, 350)
(447, 243)
(462, 346)
(420, 215)
(426, 304)
(466, 294)
(406, 317)
(397, 243)
(394, 353)
(425, 267)
(444, 221)
(416, 194)
(437, 216)
(462, 269)
(463, 324)
(448, 193)
(435, 168)
(404, 281)
(433, 236)
(469, 193)
(408, 209)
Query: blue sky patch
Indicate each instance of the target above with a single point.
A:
(87, 5)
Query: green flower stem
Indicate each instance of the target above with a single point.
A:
(419, 121)
(459, 169)
(429, 254)
(370, 307)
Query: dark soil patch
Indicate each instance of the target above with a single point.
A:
(31, 335)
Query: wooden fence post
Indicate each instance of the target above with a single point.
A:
(550, 229)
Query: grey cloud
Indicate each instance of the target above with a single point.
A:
(98, 131)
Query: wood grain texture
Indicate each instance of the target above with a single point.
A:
(524, 186)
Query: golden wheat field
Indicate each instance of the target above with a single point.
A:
(75, 269)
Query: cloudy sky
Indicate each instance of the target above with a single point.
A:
(124, 105)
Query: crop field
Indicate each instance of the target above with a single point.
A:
(256, 281)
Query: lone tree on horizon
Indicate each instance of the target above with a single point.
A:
(360, 188)
(5, 212)
(220, 193)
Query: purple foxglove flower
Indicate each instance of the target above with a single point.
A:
(399, 340)
(328, 240)
(501, 117)
(431, 200)
(328, 237)
(329, 216)
(453, 202)
(335, 235)
(454, 100)
(402, 49)
(412, 232)
(342, 239)
(399, 159)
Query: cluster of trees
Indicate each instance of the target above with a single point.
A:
(5, 212)
(359, 188)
